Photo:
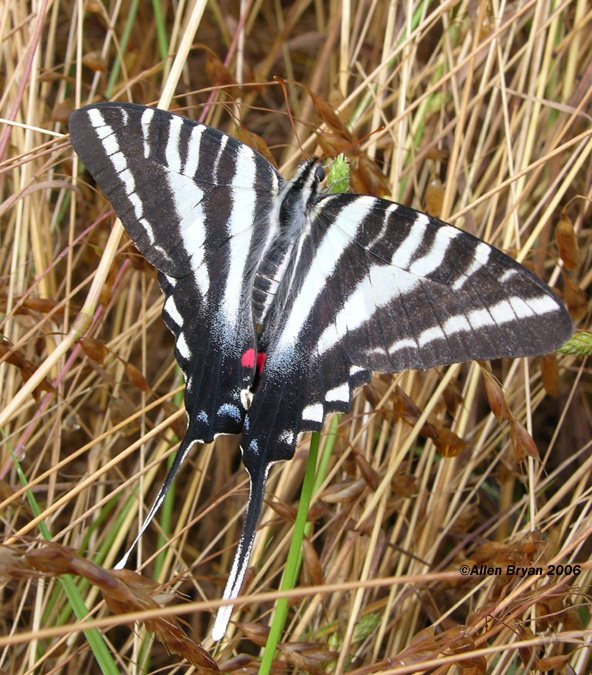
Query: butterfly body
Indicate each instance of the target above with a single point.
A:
(283, 299)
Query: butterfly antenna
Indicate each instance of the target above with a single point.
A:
(243, 552)
(186, 445)
(282, 84)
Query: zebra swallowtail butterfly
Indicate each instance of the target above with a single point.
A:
(283, 299)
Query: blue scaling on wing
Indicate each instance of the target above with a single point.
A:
(283, 300)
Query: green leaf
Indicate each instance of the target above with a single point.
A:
(338, 178)
(579, 344)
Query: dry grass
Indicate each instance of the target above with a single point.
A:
(493, 100)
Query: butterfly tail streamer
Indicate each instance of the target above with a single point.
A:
(258, 479)
(182, 453)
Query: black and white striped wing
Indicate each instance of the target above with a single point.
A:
(197, 204)
(383, 287)
(422, 293)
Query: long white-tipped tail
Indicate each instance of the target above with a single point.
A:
(184, 448)
(243, 552)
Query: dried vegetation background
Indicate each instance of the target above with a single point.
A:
(477, 112)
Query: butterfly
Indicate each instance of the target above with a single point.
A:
(283, 299)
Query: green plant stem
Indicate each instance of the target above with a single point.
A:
(93, 636)
(292, 566)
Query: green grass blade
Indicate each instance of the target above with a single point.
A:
(93, 636)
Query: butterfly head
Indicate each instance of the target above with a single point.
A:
(309, 172)
(319, 171)
(301, 193)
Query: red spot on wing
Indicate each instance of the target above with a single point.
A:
(248, 359)
(261, 362)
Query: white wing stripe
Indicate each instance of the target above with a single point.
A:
(130, 186)
(109, 142)
(193, 150)
(379, 287)
(503, 312)
(172, 151)
(433, 259)
(98, 123)
(340, 393)
(480, 318)
(405, 252)
(216, 162)
(429, 335)
(187, 198)
(326, 258)
(405, 343)
(313, 412)
(542, 304)
(112, 149)
(146, 119)
(508, 274)
(385, 225)
(183, 347)
(241, 216)
(171, 309)
(456, 324)
(480, 260)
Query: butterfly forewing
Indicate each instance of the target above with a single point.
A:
(413, 292)
(341, 285)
